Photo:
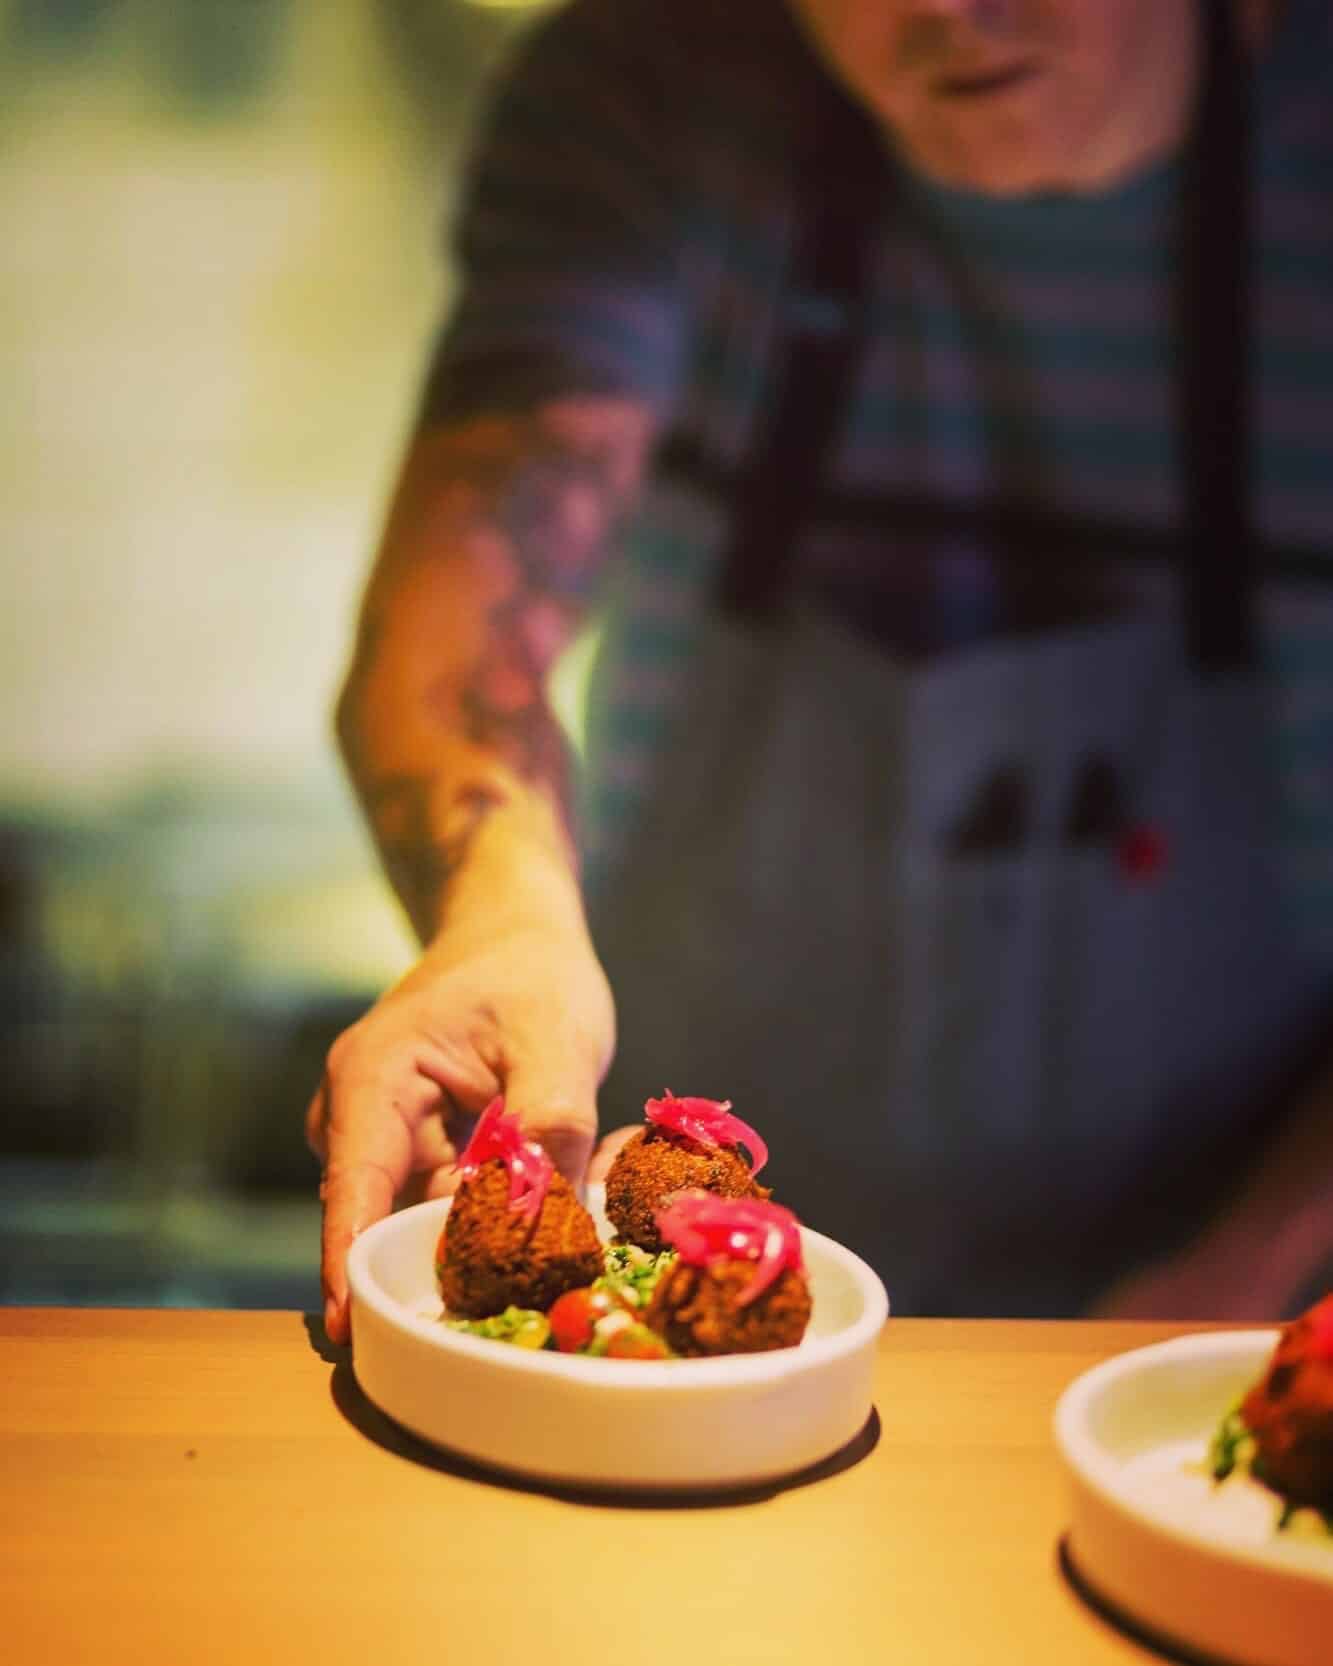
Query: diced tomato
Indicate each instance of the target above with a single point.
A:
(571, 1320)
(636, 1342)
(573, 1315)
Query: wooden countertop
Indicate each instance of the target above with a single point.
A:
(197, 1487)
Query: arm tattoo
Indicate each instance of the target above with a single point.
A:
(418, 860)
(554, 511)
(542, 492)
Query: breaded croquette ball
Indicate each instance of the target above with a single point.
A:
(687, 1144)
(738, 1283)
(494, 1257)
(516, 1235)
(695, 1310)
(1290, 1410)
(653, 1166)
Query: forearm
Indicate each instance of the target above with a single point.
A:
(1278, 1228)
(1266, 1248)
(496, 533)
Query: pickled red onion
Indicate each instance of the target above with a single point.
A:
(497, 1135)
(707, 1122)
(705, 1229)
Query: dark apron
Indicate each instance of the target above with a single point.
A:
(913, 918)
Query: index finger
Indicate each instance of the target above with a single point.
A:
(369, 1144)
(557, 1106)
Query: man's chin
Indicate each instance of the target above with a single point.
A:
(999, 172)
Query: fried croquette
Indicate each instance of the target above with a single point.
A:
(494, 1256)
(656, 1163)
(697, 1311)
(1290, 1411)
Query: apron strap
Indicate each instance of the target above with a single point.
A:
(1214, 325)
(823, 334)
(846, 183)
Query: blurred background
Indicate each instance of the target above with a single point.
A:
(223, 270)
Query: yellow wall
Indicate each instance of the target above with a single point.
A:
(211, 327)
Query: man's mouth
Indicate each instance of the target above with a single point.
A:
(983, 83)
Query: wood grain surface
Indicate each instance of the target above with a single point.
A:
(202, 1487)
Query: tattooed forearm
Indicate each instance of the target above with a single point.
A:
(498, 532)
(420, 858)
(553, 510)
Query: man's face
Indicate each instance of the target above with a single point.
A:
(1008, 96)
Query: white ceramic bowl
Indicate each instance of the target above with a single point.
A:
(1152, 1533)
(567, 1418)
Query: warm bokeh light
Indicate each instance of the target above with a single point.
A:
(212, 324)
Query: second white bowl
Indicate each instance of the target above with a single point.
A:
(1199, 1563)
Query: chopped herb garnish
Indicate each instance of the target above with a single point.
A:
(632, 1273)
(1224, 1450)
(525, 1327)
(1232, 1447)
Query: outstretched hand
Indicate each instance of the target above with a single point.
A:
(529, 1016)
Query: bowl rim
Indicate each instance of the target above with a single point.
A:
(628, 1376)
(1090, 1463)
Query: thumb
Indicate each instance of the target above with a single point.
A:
(557, 1106)
(609, 1148)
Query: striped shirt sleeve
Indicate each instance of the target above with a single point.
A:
(566, 239)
